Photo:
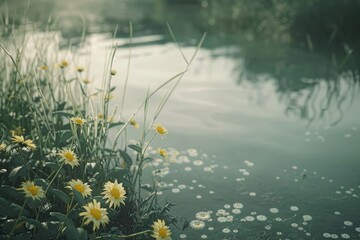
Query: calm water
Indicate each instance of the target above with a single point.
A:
(264, 117)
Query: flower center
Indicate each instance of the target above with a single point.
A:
(160, 130)
(162, 152)
(33, 190)
(79, 187)
(115, 193)
(163, 232)
(78, 121)
(96, 213)
(69, 156)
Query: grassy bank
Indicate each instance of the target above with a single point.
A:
(62, 175)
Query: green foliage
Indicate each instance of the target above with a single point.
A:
(60, 195)
(55, 137)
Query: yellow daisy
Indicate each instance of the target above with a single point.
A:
(113, 72)
(79, 186)
(108, 97)
(95, 214)
(162, 152)
(69, 157)
(31, 190)
(3, 147)
(29, 144)
(114, 193)
(63, 64)
(44, 67)
(17, 139)
(160, 129)
(24, 143)
(161, 231)
(78, 120)
(80, 69)
(101, 116)
(134, 123)
(86, 81)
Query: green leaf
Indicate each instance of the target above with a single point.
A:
(83, 235)
(79, 197)
(148, 159)
(33, 204)
(61, 217)
(9, 192)
(3, 204)
(135, 147)
(8, 225)
(147, 200)
(33, 222)
(112, 88)
(45, 234)
(126, 157)
(185, 225)
(72, 233)
(126, 183)
(4, 207)
(15, 209)
(60, 195)
(18, 172)
(114, 124)
(54, 167)
(49, 231)
(23, 236)
(64, 114)
(60, 106)
(42, 183)
(65, 135)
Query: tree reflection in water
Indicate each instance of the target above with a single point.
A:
(311, 86)
(298, 44)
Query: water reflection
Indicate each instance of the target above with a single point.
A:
(312, 63)
(310, 85)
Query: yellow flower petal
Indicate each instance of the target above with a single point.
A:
(161, 231)
(115, 193)
(31, 190)
(95, 214)
(69, 157)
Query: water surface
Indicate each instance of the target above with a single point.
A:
(264, 117)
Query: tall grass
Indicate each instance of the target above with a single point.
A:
(55, 130)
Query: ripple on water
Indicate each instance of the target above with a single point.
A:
(229, 215)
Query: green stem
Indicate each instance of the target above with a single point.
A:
(17, 220)
(52, 180)
(123, 236)
(147, 144)
(37, 217)
(66, 216)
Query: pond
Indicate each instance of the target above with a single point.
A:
(264, 127)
